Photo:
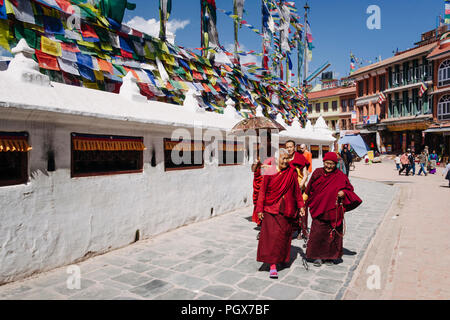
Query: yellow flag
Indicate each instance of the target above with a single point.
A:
(4, 34)
(90, 85)
(99, 75)
(164, 48)
(9, 8)
(106, 46)
(86, 43)
(51, 47)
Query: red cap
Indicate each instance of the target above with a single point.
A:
(332, 156)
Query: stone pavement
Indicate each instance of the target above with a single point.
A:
(213, 259)
(412, 246)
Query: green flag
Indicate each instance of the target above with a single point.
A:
(115, 9)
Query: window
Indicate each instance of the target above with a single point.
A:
(383, 82)
(325, 149)
(374, 84)
(444, 108)
(231, 153)
(360, 88)
(351, 104)
(344, 105)
(444, 73)
(325, 107)
(13, 158)
(366, 86)
(309, 108)
(334, 105)
(94, 155)
(315, 151)
(183, 154)
(318, 107)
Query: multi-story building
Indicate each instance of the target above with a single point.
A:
(439, 131)
(334, 103)
(397, 122)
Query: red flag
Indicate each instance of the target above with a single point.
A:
(47, 61)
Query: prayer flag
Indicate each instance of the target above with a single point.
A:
(50, 47)
(47, 61)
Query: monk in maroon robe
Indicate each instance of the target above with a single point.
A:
(278, 205)
(330, 195)
(299, 162)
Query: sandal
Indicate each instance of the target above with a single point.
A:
(317, 263)
(273, 274)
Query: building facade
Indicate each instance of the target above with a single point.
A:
(395, 101)
(335, 105)
(439, 132)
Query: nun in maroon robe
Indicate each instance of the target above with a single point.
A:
(279, 202)
(330, 195)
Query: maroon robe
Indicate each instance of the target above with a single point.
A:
(280, 200)
(326, 235)
(300, 162)
(257, 181)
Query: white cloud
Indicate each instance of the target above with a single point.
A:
(151, 26)
(244, 59)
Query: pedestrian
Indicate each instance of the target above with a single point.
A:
(405, 162)
(412, 163)
(397, 162)
(279, 202)
(446, 173)
(301, 165)
(307, 155)
(341, 165)
(330, 195)
(257, 180)
(422, 163)
(433, 158)
(347, 157)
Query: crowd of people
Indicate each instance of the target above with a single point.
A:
(427, 162)
(283, 199)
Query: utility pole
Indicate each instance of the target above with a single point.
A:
(305, 66)
(236, 30)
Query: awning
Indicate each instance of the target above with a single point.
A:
(437, 130)
(184, 145)
(356, 142)
(14, 142)
(85, 142)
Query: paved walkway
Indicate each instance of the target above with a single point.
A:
(213, 259)
(412, 246)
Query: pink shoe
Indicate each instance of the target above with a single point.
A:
(273, 274)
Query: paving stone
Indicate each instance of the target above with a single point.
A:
(132, 278)
(97, 293)
(152, 289)
(296, 282)
(312, 295)
(282, 292)
(185, 266)
(209, 256)
(230, 261)
(188, 282)
(177, 294)
(207, 297)
(205, 270)
(248, 266)
(40, 294)
(229, 277)
(138, 267)
(116, 261)
(159, 273)
(14, 290)
(244, 296)
(255, 285)
(219, 290)
(326, 285)
(331, 274)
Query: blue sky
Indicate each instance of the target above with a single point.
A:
(337, 26)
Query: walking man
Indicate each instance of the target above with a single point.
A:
(412, 163)
(422, 163)
(307, 155)
(405, 162)
(347, 157)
